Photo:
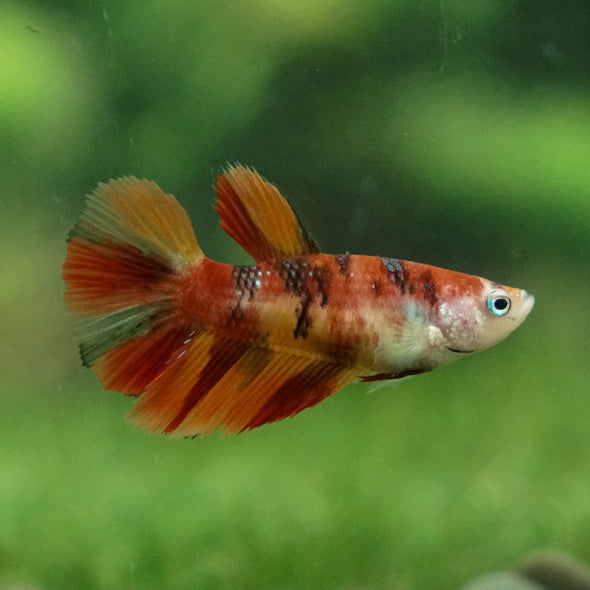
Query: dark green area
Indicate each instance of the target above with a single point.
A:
(454, 133)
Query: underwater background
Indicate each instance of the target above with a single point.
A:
(446, 132)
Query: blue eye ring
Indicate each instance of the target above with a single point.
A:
(499, 303)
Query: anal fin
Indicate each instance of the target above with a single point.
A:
(221, 383)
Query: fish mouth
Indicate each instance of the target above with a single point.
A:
(528, 301)
(460, 351)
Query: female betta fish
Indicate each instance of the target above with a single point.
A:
(207, 345)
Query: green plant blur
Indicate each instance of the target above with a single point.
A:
(453, 133)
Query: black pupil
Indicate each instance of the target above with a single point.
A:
(500, 304)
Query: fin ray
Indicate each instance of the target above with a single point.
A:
(255, 214)
(130, 367)
(120, 273)
(140, 213)
(235, 387)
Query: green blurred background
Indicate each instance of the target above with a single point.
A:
(449, 132)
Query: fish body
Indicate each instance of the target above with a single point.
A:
(207, 345)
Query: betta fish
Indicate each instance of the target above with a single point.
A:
(205, 345)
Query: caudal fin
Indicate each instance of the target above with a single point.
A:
(122, 256)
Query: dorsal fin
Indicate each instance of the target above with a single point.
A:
(255, 214)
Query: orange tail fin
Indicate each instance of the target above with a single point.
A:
(131, 240)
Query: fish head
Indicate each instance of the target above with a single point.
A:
(480, 318)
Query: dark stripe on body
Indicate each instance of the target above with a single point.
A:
(247, 281)
(430, 291)
(343, 261)
(306, 282)
(397, 274)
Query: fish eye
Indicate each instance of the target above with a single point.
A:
(499, 303)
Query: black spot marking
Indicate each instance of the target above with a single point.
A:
(343, 261)
(292, 272)
(393, 265)
(306, 282)
(247, 281)
(322, 277)
(397, 275)
(430, 292)
(303, 321)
